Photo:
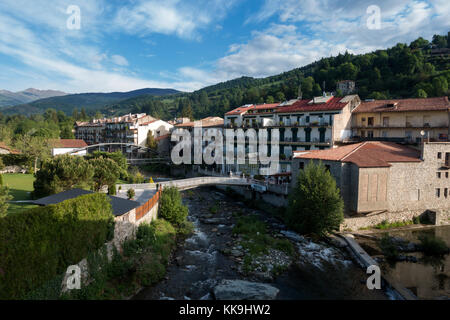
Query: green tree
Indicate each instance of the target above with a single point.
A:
(63, 173)
(36, 147)
(106, 172)
(315, 204)
(421, 94)
(151, 142)
(440, 85)
(171, 207)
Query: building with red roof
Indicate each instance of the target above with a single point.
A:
(402, 119)
(63, 146)
(386, 176)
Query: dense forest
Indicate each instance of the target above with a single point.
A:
(420, 69)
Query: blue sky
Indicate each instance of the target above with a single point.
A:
(186, 45)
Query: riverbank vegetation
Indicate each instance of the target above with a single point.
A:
(315, 204)
(143, 263)
(38, 245)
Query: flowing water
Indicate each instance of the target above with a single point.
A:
(430, 277)
(199, 264)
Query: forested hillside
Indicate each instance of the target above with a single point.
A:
(420, 69)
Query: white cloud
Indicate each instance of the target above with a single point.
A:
(119, 60)
(181, 18)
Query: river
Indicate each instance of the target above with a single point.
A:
(430, 277)
(317, 271)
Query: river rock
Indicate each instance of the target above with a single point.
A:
(215, 221)
(244, 290)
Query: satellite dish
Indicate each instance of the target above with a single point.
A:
(422, 133)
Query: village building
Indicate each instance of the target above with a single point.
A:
(386, 176)
(304, 124)
(5, 149)
(402, 120)
(129, 129)
(346, 86)
(64, 146)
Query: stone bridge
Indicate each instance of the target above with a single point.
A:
(191, 183)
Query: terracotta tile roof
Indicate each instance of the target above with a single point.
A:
(4, 146)
(239, 110)
(207, 122)
(399, 105)
(67, 143)
(333, 104)
(366, 154)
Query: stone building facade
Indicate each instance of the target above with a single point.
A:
(384, 176)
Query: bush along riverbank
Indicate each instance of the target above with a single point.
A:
(144, 260)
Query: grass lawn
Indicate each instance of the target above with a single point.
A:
(20, 187)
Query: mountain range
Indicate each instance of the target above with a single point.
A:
(91, 102)
(8, 98)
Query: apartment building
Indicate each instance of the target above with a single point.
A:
(91, 132)
(129, 129)
(309, 124)
(402, 120)
(386, 176)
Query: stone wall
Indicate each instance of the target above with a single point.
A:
(356, 223)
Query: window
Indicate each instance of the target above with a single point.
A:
(446, 192)
(370, 121)
(369, 134)
(384, 134)
(439, 155)
(438, 174)
(328, 167)
(363, 134)
(385, 121)
(446, 175)
(302, 165)
(438, 193)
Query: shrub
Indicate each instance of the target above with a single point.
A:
(433, 246)
(1, 180)
(315, 204)
(39, 244)
(112, 190)
(131, 193)
(62, 173)
(171, 207)
(4, 198)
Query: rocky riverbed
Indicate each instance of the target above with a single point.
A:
(215, 263)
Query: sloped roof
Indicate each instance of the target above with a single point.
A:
(68, 143)
(4, 146)
(207, 122)
(119, 206)
(238, 111)
(365, 154)
(333, 104)
(402, 105)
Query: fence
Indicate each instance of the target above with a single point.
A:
(146, 207)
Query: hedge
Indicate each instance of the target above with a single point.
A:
(39, 244)
(16, 160)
